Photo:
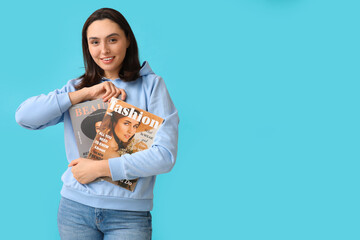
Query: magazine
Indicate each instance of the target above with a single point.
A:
(125, 129)
(86, 119)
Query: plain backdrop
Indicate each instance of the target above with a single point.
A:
(268, 97)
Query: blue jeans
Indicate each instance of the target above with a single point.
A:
(80, 222)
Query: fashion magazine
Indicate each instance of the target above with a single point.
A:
(124, 129)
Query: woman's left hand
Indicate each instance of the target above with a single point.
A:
(87, 170)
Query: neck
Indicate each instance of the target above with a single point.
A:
(112, 74)
(112, 77)
(112, 144)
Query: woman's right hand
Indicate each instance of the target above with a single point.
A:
(105, 90)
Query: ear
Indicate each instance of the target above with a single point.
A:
(127, 42)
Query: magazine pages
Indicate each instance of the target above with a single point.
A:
(125, 129)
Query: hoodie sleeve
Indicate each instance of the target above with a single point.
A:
(160, 158)
(42, 111)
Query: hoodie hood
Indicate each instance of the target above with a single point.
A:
(145, 69)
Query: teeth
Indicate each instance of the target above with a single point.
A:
(107, 59)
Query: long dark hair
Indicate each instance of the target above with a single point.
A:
(131, 64)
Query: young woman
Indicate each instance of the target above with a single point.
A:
(101, 210)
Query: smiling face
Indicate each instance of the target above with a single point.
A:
(107, 46)
(125, 128)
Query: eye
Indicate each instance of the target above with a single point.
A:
(112, 40)
(136, 126)
(95, 42)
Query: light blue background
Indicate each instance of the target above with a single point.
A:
(267, 92)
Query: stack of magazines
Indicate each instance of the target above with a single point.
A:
(105, 130)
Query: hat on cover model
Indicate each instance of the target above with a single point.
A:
(92, 122)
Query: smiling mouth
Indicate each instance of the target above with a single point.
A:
(107, 59)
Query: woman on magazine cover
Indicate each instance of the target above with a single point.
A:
(101, 210)
(122, 130)
(90, 126)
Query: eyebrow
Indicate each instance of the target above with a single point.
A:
(110, 35)
(127, 121)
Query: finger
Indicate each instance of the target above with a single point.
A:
(113, 91)
(117, 92)
(107, 91)
(123, 94)
(73, 163)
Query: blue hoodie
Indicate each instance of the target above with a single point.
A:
(148, 92)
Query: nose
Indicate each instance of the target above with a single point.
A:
(131, 130)
(105, 49)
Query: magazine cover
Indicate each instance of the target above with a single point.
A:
(125, 129)
(86, 119)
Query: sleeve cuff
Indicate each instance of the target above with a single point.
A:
(63, 101)
(116, 166)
